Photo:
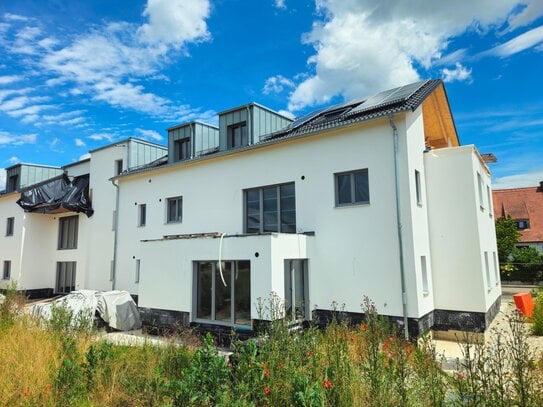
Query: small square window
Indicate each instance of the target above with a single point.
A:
(352, 188)
(10, 223)
(6, 275)
(174, 209)
(142, 214)
(523, 224)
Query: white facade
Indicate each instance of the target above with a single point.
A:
(423, 224)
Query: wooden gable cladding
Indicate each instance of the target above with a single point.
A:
(439, 128)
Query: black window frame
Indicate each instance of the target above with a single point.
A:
(282, 226)
(6, 271)
(178, 150)
(68, 231)
(10, 226)
(179, 213)
(142, 215)
(118, 166)
(66, 274)
(353, 190)
(231, 137)
(522, 224)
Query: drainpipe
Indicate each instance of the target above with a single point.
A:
(399, 222)
(250, 140)
(115, 228)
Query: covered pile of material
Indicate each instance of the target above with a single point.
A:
(116, 308)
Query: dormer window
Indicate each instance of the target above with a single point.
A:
(182, 149)
(523, 224)
(237, 135)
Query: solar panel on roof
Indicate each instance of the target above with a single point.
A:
(304, 119)
(388, 96)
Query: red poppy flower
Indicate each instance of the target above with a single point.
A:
(363, 327)
(266, 373)
(266, 390)
(327, 384)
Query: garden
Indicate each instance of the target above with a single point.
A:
(63, 362)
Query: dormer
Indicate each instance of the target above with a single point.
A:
(192, 139)
(248, 124)
(23, 175)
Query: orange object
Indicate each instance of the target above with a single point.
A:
(524, 304)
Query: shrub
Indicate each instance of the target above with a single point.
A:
(537, 318)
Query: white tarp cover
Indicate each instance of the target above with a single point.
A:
(116, 308)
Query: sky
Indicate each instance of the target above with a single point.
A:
(78, 75)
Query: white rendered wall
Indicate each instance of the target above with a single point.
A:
(460, 231)
(80, 168)
(10, 246)
(355, 249)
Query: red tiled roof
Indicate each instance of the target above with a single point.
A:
(522, 204)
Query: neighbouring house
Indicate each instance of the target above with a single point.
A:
(374, 197)
(525, 206)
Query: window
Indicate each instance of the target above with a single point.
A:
(523, 224)
(65, 277)
(6, 275)
(118, 167)
(142, 214)
(175, 209)
(496, 267)
(67, 232)
(271, 209)
(13, 183)
(237, 135)
(487, 268)
(138, 265)
(480, 186)
(417, 186)
(182, 149)
(296, 289)
(489, 199)
(352, 188)
(424, 271)
(10, 223)
(224, 299)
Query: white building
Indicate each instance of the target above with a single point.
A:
(372, 198)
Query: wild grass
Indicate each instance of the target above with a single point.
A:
(62, 364)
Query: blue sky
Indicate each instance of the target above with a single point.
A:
(78, 75)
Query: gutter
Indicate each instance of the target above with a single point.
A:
(399, 223)
(115, 239)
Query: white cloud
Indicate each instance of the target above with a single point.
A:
(13, 160)
(532, 10)
(149, 134)
(520, 43)
(276, 84)
(459, 73)
(287, 114)
(2, 179)
(6, 79)
(280, 4)
(14, 17)
(7, 138)
(101, 136)
(79, 143)
(363, 46)
(175, 22)
(528, 179)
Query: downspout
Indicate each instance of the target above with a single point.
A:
(250, 136)
(399, 223)
(115, 239)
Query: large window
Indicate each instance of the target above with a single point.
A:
(10, 223)
(65, 277)
(67, 232)
(223, 298)
(182, 149)
(237, 135)
(352, 188)
(6, 275)
(271, 209)
(175, 209)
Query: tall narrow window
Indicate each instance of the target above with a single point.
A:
(6, 275)
(480, 186)
(352, 188)
(223, 294)
(142, 214)
(418, 188)
(496, 268)
(182, 149)
(67, 232)
(175, 209)
(487, 268)
(237, 135)
(10, 223)
(424, 271)
(118, 167)
(138, 265)
(271, 209)
(489, 199)
(13, 183)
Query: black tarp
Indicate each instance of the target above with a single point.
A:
(56, 193)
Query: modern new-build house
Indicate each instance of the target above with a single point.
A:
(374, 197)
(525, 206)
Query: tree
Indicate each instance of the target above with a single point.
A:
(506, 237)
